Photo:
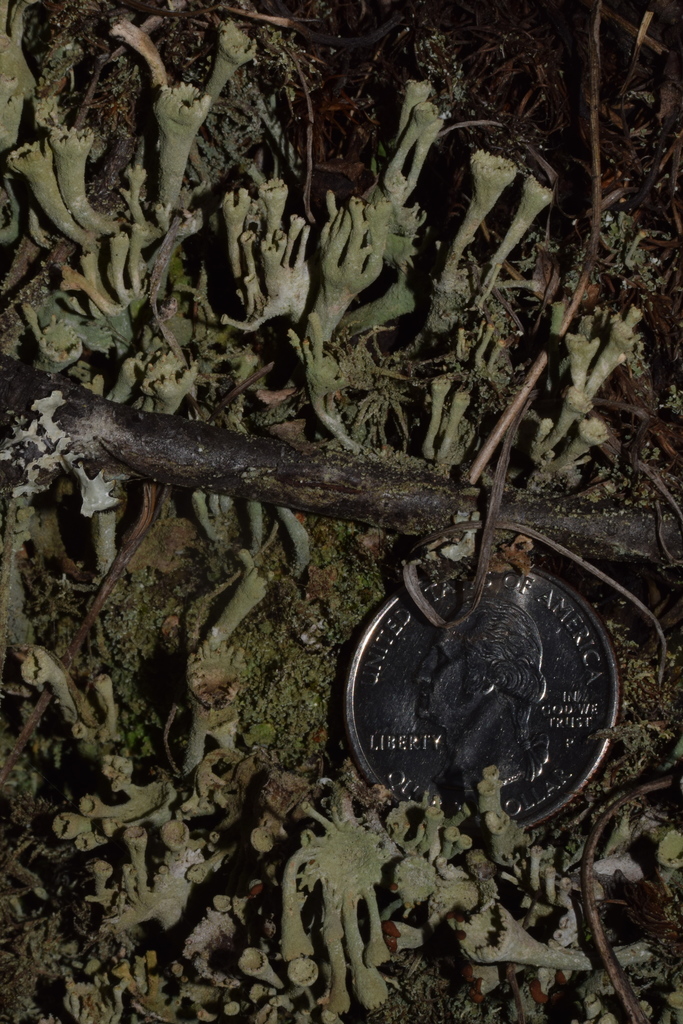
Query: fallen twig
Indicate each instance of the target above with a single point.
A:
(621, 984)
(492, 441)
(8, 553)
(511, 978)
(319, 38)
(310, 123)
(529, 531)
(408, 496)
(596, 166)
(488, 532)
(153, 499)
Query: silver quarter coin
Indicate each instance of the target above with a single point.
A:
(524, 683)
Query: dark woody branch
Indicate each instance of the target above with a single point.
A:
(410, 498)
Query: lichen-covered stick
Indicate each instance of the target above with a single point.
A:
(621, 983)
(125, 442)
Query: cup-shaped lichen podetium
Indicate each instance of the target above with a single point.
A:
(70, 149)
(34, 163)
(180, 111)
(491, 175)
(234, 49)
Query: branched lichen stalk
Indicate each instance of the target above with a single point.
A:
(491, 175)
(534, 199)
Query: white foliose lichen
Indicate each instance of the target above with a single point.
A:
(42, 447)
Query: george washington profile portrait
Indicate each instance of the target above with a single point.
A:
(479, 685)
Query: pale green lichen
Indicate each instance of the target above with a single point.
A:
(91, 284)
(180, 111)
(347, 860)
(535, 198)
(675, 1007)
(17, 83)
(254, 963)
(419, 126)
(165, 382)
(280, 285)
(670, 853)
(49, 447)
(259, 665)
(423, 858)
(94, 1002)
(354, 244)
(491, 175)
(95, 491)
(148, 804)
(34, 162)
(506, 839)
(93, 718)
(59, 345)
(602, 343)
(298, 535)
(449, 434)
(70, 149)
(162, 898)
(214, 670)
(114, 271)
(234, 50)
(104, 538)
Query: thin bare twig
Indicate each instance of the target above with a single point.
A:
(153, 499)
(493, 511)
(468, 124)
(630, 29)
(310, 121)
(482, 459)
(163, 258)
(589, 567)
(6, 566)
(139, 5)
(528, 531)
(100, 64)
(511, 976)
(140, 41)
(321, 38)
(596, 166)
(621, 984)
(635, 410)
(660, 534)
(642, 35)
(25, 735)
(167, 732)
(657, 480)
(489, 527)
(411, 582)
(235, 392)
